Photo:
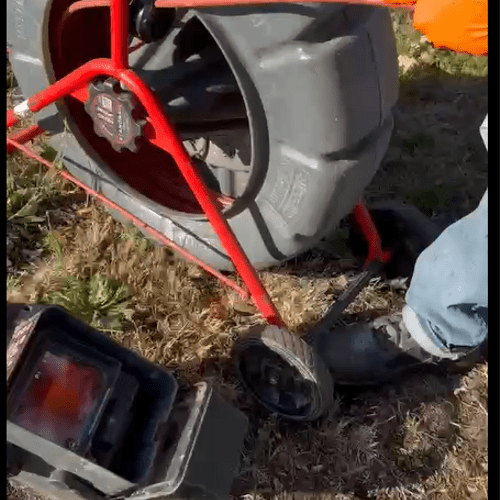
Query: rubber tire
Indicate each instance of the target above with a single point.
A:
(304, 190)
(296, 352)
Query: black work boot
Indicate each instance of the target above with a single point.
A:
(375, 352)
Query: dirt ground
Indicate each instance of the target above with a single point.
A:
(422, 437)
(436, 158)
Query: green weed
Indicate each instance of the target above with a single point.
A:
(98, 300)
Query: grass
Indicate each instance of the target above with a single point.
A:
(99, 301)
(34, 199)
(436, 158)
(423, 437)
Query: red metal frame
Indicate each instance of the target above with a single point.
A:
(172, 4)
(231, 3)
(24, 135)
(365, 222)
(119, 34)
(153, 232)
(166, 138)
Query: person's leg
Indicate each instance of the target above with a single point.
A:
(446, 316)
(448, 296)
(447, 302)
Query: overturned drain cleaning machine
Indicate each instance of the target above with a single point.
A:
(88, 418)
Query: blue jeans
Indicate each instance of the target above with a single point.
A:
(448, 295)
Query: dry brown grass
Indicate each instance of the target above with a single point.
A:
(415, 439)
(181, 314)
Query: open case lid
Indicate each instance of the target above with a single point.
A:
(208, 435)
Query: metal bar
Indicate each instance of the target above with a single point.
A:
(25, 135)
(71, 82)
(377, 257)
(81, 95)
(370, 232)
(331, 317)
(231, 3)
(169, 4)
(170, 141)
(153, 232)
(119, 33)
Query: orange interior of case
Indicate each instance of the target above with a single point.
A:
(60, 399)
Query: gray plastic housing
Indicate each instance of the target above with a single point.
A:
(204, 464)
(178, 441)
(319, 82)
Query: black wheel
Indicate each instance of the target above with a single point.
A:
(258, 96)
(283, 373)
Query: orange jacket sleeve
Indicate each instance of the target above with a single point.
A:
(459, 25)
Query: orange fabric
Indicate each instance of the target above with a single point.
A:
(401, 2)
(459, 25)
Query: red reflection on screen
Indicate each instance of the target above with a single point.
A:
(59, 400)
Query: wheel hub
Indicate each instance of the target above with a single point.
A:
(114, 112)
(278, 384)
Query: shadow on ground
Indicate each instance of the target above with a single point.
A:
(436, 158)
